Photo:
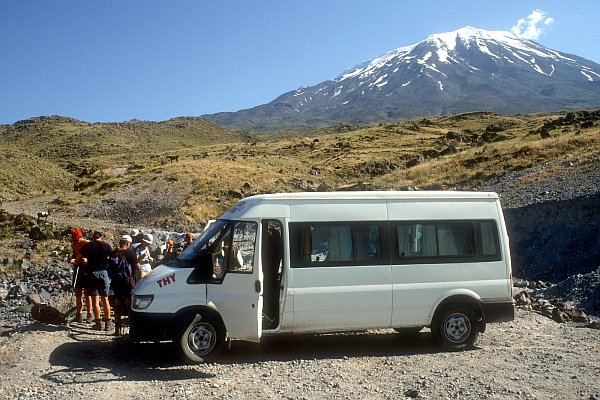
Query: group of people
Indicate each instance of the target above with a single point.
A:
(101, 273)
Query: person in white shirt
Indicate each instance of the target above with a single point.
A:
(144, 260)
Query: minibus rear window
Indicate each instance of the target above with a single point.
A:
(340, 243)
(488, 238)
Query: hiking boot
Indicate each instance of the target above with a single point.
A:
(89, 318)
(98, 325)
(78, 318)
(108, 325)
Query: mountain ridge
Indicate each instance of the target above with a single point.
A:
(465, 70)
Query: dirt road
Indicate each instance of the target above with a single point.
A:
(529, 358)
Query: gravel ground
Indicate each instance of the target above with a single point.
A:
(529, 358)
(554, 181)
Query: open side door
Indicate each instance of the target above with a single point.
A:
(238, 297)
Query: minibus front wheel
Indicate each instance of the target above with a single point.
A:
(200, 340)
(457, 328)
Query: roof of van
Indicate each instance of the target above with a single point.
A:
(348, 195)
(278, 204)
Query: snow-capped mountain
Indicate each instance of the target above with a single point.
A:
(465, 70)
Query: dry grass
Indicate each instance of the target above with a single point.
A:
(217, 167)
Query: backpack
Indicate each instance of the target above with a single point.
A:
(119, 272)
(118, 266)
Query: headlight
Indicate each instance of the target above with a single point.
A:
(142, 301)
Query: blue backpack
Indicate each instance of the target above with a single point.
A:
(119, 272)
(118, 267)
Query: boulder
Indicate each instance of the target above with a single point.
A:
(20, 289)
(33, 298)
(559, 316)
(44, 295)
(522, 299)
(48, 315)
(578, 315)
(593, 325)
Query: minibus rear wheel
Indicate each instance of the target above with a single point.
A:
(457, 328)
(200, 339)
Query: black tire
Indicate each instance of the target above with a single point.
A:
(409, 331)
(200, 339)
(457, 328)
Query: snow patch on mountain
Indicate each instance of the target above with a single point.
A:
(453, 47)
(465, 70)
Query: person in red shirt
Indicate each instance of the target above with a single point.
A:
(97, 253)
(79, 275)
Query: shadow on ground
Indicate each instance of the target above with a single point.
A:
(93, 356)
(329, 346)
(97, 357)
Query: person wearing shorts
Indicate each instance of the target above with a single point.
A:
(97, 253)
(79, 275)
(122, 282)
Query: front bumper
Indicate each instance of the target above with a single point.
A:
(152, 326)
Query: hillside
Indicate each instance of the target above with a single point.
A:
(126, 172)
(52, 155)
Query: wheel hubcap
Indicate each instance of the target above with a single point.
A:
(202, 338)
(457, 328)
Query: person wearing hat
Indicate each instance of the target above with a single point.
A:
(142, 254)
(122, 283)
(79, 274)
(136, 236)
(97, 253)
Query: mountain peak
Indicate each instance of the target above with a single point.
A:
(468, 34)
(468, 69)
(501, 46)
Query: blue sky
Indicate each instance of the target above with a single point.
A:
(154, 60)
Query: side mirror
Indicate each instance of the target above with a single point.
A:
(217, 267)
(203, 271)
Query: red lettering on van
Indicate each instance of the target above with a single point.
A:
(167, 280)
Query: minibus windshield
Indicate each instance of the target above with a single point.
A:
(201, 244)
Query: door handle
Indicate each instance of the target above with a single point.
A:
(257, 286)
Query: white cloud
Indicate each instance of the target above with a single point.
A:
(527, 28)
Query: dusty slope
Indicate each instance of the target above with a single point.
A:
(94, 166)
(530, 358)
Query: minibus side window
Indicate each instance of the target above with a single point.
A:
(435, 239)
(333, 242)
(488, 234)
(455, 239)
(366, 243)
(239, 250)
(446, 241)
(343, 243)
(229, 249)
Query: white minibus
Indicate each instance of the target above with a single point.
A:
(331, 262)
